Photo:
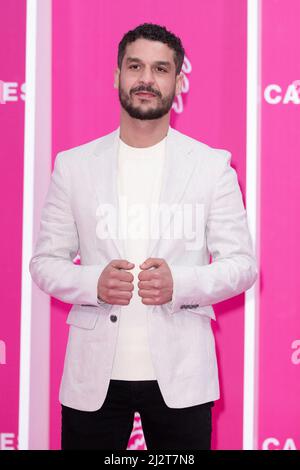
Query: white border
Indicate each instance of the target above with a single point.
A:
(252, 179)
(28, 208)
(35, 304)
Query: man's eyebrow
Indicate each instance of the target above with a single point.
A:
(157, 62)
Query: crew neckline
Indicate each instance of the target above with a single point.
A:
(142, 149)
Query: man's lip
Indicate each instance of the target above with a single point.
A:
(144, 93)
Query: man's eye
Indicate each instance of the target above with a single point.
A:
(137, 65)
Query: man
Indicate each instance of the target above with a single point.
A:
(140, 335)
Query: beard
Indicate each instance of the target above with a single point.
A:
(146, 111)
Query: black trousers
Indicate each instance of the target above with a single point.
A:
(110, 427)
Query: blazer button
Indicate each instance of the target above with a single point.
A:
(113, 318)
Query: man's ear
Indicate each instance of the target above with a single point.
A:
(116, 78)
(179, 83)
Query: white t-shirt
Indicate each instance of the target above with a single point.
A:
(139, 185)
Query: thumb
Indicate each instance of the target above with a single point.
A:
(152, 263)
(122, 264)
(146, 264)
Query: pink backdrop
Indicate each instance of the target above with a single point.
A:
(279, 384)
(12, 75)
(85, 106)
(85, 45)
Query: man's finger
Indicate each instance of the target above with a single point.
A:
(152, 262)
(121, 264)
(123, 275)
(147, 285)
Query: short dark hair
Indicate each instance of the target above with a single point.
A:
(153, 32)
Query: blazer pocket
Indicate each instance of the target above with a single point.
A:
(83, 316)
(207, 311)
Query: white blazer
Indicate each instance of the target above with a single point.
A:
(180, 336)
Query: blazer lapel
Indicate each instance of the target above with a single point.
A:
(103, 173)
(177, 171)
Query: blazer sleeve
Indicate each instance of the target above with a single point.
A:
(51, 266)
(233, 268)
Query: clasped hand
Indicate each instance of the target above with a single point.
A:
(115, 284)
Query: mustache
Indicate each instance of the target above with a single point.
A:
(146, 90)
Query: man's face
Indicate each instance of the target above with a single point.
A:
(148, 66)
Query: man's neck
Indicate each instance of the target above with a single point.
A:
(139, 133)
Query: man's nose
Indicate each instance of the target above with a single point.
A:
(146, 76)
